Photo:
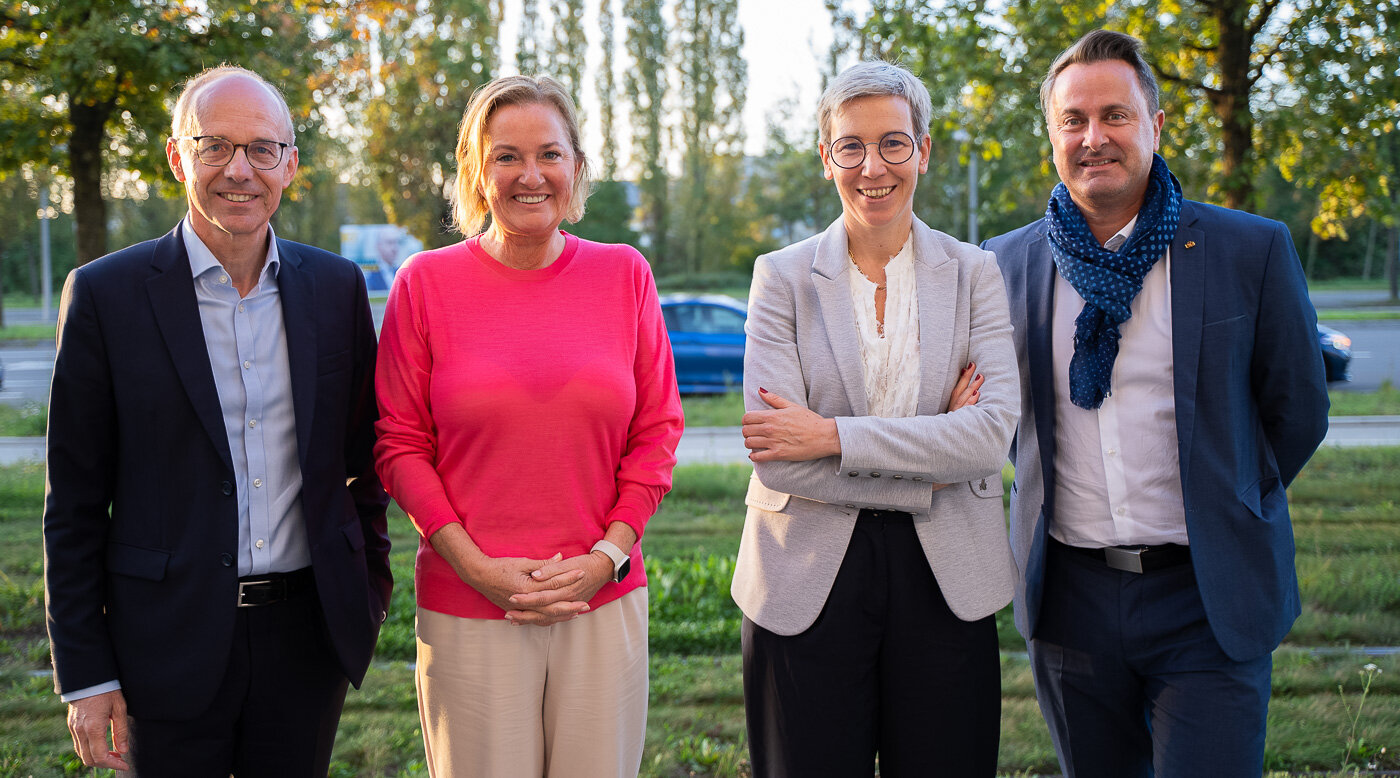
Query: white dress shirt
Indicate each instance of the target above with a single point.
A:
(1117, 473)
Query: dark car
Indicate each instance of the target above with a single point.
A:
(707, 337)
(1336, 353)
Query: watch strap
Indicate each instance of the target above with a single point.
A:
(619, 558)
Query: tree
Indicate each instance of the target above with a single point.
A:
(434, 55)
(86, 83)
(607, 89)
(713, 77)
(527, 39)
(647, 38)
(568, 51)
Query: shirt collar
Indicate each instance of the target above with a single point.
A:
(1119, 238)
(202, 260)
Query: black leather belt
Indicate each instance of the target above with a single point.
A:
(1135, 559)
(270, 588)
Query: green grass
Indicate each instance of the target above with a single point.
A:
(1348, 534)
(28, 420)
(1356, 314)
(713, 410)
(36, 333)
(1383, 402)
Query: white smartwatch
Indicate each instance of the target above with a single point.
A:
(622, 563)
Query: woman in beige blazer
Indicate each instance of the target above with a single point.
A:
(882, 395)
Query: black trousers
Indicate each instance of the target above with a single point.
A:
(275, 713)
(886, 669)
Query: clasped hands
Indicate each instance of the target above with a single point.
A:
(541, 592)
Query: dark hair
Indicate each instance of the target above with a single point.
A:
(1104, 46)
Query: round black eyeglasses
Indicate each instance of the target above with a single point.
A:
(895, 148)
(217, 152)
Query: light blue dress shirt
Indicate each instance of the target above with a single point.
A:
(247, 343)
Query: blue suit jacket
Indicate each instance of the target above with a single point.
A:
(141, 515)
(1251, 407)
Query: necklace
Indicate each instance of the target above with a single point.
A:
(878, 287)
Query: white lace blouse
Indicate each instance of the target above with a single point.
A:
(891, 360)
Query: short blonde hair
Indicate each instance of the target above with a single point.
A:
(469, 207)
(182, 120)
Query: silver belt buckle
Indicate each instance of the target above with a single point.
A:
(242, 584)
(1129, 560)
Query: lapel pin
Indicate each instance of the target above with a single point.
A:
(1190, 244)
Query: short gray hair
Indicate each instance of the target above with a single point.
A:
(1104, 46)
(874, 78)
(183, 119)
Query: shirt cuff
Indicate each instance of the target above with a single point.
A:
(91, 691)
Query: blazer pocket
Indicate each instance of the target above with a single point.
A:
(990, 486)
(760, 496)
(1227, 320)
(328, 364)
(137, 562)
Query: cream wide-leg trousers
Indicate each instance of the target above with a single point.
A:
(564, 701)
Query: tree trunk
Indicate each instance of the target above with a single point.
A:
(85, 165)
(1394, 263)
(1231, 103)
(1370, 249)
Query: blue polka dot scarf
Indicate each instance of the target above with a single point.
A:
(1108, 280)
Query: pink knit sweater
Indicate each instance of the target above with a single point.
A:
(535, 407)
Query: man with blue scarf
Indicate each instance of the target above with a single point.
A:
(1172, 387)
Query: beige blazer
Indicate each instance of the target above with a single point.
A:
(803, 345)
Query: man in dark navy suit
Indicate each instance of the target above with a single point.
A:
(1172, 387)
(216, 556)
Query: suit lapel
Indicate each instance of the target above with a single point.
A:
(1188, 277)
(1040, 328)
(297, 290)
(937, 284)
(829, 268)
(176, 311)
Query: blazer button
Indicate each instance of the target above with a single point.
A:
(896, 477)
(853, 473)
(226, 488)
(874, 475)
(918, 478)
(226, 559)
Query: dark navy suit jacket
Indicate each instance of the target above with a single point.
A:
(141, 515)
(1251, 407)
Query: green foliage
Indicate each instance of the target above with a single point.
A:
(27, 420)
(645, 85)
(609, 215)
(691, 611)
(86, 86)
(713, 410)
(432, 58)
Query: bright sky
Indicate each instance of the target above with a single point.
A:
(783, 43)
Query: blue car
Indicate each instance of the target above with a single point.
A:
(1336, 353)
(707, 338)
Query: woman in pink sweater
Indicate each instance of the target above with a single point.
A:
(529, 426)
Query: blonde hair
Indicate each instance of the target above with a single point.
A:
(469, 207)
(183, 118)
